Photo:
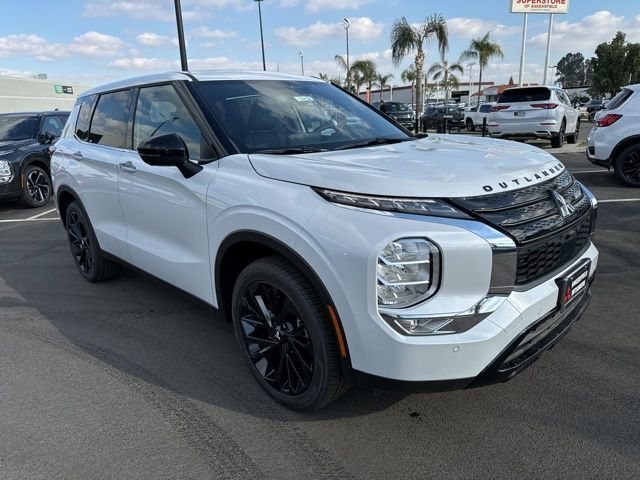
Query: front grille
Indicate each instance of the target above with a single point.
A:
(532, 217)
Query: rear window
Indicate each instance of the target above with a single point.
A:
(109, 122)
(84, 117)
(538, 94)
(619, 99)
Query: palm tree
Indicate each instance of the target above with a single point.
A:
(383, 81)
(409, 76)
(483, 50)
(446, 73)
(406, 38)
(342, 63)
(367, 71)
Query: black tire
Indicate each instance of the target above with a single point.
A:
(573, 138)
(298, 335)
(470, 126)
(558, 140)
(627, 165)
(92, 265)
(36, 191)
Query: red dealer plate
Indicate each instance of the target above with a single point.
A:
(573, 285)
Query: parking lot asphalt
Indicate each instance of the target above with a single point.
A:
(135, 379)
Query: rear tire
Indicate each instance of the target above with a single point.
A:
(285, 334)
(88, 257)
(558, 140)
(574, 137)
(37, 187)
(627, 165)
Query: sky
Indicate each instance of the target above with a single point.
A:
(94, 41)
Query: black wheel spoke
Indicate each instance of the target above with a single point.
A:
(276, 338)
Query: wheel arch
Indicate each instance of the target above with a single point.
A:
(64, 196)
(37, 159)
(240, 248)
(621, 146)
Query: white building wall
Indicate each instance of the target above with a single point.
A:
(31, 95)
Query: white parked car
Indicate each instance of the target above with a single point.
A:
(535, 112)
(614, 141)
(474, 116)
(343, 252)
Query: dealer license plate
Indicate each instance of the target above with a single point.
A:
(573, 285)
(519, 114)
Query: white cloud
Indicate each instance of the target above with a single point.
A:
(206, 32)
(362, 28)
(143, 63)
(584, 36)
(316, 6)
(138, 9)
(90, 44)
(8, 72)
(475, 27)
(151, 39)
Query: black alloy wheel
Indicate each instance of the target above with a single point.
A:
(627, 166)
(276, 338)
(80, 243)
(85, 249)
(286, 335)
(37, 187)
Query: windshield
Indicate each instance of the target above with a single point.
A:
(262, 115)
(396, 107)
(536, 94)
(17, 128)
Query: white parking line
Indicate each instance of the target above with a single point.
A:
(17, 220)
(41, 214)
(620, 200)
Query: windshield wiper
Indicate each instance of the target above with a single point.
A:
(292, 150)
(373, 141)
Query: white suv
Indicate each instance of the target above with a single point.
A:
(535, 112)
(614, 141)
(344, 249)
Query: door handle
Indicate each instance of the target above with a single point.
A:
(77, 155)
(127, 167)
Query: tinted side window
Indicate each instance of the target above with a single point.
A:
(619, 99)
(52, 125)
(109, 122)
(84, 117)
(159, 111)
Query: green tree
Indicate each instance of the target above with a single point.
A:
(342, 64)
(616, 64)
(445, 73)
(383, 81)
(482, 49)
(571, 71)
(409, 76)
(366, 70)
(407, 38)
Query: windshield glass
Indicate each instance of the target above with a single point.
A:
(17, 128)
(288, 114)
(396, 107)
(538, 94)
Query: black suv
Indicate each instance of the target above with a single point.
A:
(402, 113)
(25, 139)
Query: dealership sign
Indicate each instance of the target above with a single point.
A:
(539, 6)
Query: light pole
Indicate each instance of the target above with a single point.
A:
(346, 24)
(264, 63)
(553, 73)
(470, 67)
(301, 53)
(181, 44)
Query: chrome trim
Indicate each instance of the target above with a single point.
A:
(468, 319)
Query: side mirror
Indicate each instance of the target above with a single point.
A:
(46, 137)
(168, 150)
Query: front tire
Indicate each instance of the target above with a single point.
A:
(88, 257)
(470, 126)
(36, 191)
(285, 335)
(627, 165)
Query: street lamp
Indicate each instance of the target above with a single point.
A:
(346, 24)
(470, 67)
(301, 53)
(181, 44)
(264, 63)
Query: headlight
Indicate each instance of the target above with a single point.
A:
(417, 206)
(5, 172)
(408, 271)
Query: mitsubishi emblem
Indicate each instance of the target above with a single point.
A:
(566, 209)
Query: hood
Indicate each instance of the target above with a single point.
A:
(13, 144)
(439, 166)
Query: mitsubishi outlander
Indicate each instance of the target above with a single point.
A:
(344, 249)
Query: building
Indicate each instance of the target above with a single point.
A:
(434, 93)
(37, 94)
